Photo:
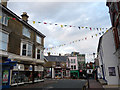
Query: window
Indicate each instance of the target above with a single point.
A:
(3, 41)
(4, 19)
(26, 32)
(38, 39)
(74, 66)
(111, 71)
(38, 54)
(71, 66)
(26, 49)
(74, 60)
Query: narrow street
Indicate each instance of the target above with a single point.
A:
(56, 84)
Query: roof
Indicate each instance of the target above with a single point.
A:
(20, 20)
(56, 58)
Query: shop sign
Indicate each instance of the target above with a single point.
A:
(5, 76)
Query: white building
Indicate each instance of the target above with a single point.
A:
(108, 61)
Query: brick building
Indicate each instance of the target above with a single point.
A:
(22, 43)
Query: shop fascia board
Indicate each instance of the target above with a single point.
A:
(25, 58)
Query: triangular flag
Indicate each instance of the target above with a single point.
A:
(90, 28)
(96, 34)
(39, 22)
(100, 29)
(61, 26)
(107, 31)
(79, 27)
(65, 25)
(33, 22)
(45, 23)
(82, 27)
(99, 33)
(55, 24)
(70, 26)
(103, 32)
(92, 36)
(86, 38)
(86, 27)
(13, 18)
(50, 23)
(8, 18)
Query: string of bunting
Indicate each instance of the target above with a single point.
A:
(75, 41)
(46, 23)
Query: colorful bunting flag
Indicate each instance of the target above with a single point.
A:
(61, 26)
(13, 18)
(79, 27)
(33, 22)
(96, 35)
(90, 28)
(55, 24)
(39, 22)
(45, 23)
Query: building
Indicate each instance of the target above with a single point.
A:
(108, 62)
(56, 67)
(81, 64)
(90, 67)
(73, 65)
(22, 43)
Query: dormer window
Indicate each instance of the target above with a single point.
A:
(38, 39)
(26, 32)
(4, 19)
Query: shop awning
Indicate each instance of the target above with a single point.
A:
(74, 71)
(26, 59)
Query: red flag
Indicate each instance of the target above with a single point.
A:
(13, 18)
(45, 23)
(90, 28)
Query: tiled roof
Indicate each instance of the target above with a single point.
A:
(56, 58)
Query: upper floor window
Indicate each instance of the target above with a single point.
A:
(4, 19)
(38, 53)
(38, 39)
(3, 41)
(71, 66)
(26, 32)
(26, 49)
(72, 60)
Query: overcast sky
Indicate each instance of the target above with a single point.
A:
(91, 14)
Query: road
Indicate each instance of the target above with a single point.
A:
(56, 84)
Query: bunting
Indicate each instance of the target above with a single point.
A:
(71, 26)
(75, 41)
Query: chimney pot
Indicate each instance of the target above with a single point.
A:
(25, 16)
(4, 2)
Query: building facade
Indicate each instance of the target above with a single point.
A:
(56, 67)
(22, 43)
(108, 62)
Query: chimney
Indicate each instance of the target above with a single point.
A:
(48, 53)
(25, 16)
(4, 2)
(59, 54)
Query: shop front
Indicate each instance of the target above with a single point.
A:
(7, 65)
(74, 74)
(58, 73)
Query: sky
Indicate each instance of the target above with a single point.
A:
(90, 14)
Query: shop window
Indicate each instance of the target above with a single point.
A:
(74, 66)
(26, 49)
(4, 19)
(26, 32)
(3, 41)
(38, 39)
